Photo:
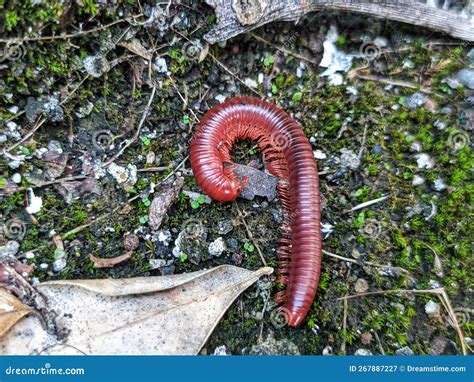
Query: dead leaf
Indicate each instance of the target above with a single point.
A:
(162, 202)
(135, 46)
(144, 315)
(11, 311)
(203, 54)
(109, 262)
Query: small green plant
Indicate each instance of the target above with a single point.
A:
(341, 41)
(269, 60)
(186, 119)
(145, 140)
(249, 247)
(196, 203)
(143, 219)
(146, 202)
(183, 257)
(297, 97)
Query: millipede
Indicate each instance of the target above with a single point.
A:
(287, 155)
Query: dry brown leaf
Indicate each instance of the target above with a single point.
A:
(110, 261)
(135, 46)
(11, 311)
(144, 315)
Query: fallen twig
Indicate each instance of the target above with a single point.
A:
(283, 50)
(354, 261)
(249, 233)
(137, 132)
(70, 35)
(390, 81)
(368, 203)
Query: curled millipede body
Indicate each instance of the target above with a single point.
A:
(287, 155)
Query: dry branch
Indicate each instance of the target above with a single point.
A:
(239, 16)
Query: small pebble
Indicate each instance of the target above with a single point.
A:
(424, 161)
(221, 350)
(415, 100)
(417, 180)
(10, 249)
(217, 247)
(160, 65)
(318, 154)
(439, 185)
(150, 157)
(131, 242)
(16, 178)
(466, 78)
(250, 83)
(13, 109)
(416, 147)
(404, 351)
(366, 338)
(59, 265)
(361, 286)
(157, 263)
(221, 98)
(328, 350)
(363, 352)
(432, 309)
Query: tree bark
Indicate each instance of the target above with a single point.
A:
(239, 16)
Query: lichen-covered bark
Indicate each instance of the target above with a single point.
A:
(239, 16)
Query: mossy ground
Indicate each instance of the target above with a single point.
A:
(387, 167)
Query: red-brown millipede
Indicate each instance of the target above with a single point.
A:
(288, 156)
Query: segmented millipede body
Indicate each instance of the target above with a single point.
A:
(287, 155)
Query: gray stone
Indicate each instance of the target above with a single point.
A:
(432, 309)
(466, 78)
(221, 350)
(404, 351)
(11, 248)
(363, 352)
(59, 264)
(439, 185)
(349, 159)
(415, 101)
(96, 66)
(224, 227)
(157, 263)
(361, 286)
(48, 106)
(217, 247)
